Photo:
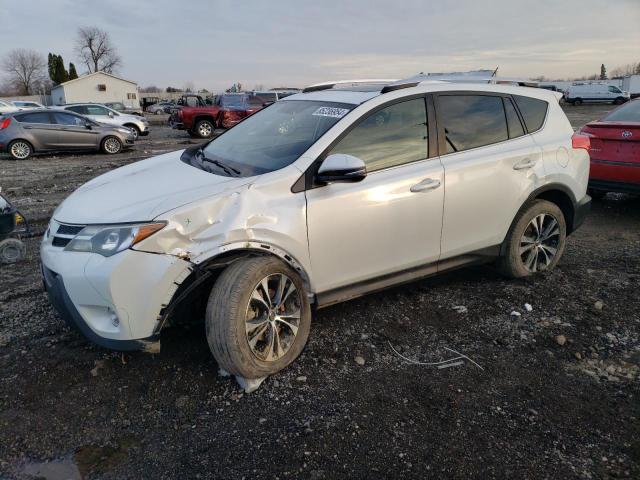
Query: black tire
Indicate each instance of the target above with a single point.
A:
(20, 149)
(204, 128)
(619, 101)
(226, 318)
(12, 250)
(511, 263)
(597, 194)
(109, 145)
(577, 102)
(136, 130)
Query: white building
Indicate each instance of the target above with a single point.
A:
(98, 87)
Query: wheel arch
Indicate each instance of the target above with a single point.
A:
(192, 294)
(555, 193)
(204, 116)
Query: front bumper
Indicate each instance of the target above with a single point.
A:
(582, 209)
(114, 301)
(61, 301)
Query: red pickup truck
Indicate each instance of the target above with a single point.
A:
(227, 110)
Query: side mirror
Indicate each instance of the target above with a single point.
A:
(111, 114)
(341, 167)
(87, 125)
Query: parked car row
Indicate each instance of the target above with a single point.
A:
(79, 126)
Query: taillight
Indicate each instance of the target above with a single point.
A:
(581, 140)
(5, 123)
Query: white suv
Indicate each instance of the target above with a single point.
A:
(109, 116)
(319, 198)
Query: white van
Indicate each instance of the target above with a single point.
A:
(597, 92)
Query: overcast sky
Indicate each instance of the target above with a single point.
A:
(298, 42)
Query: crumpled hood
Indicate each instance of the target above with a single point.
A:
(142, 191)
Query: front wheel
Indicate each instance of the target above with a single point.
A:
(111, 145)
(258, 317)
(535, 241)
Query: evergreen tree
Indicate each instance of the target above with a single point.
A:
(603, 72)
(57, 73)
(51, 64)
(72, 72)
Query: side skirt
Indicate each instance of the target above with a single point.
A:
(342, 294)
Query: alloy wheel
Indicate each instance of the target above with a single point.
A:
(205, 129)
(112, 145)
(20, 150)
(273, 317)
(539, 242)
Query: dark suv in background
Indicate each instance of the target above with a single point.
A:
(25, 133)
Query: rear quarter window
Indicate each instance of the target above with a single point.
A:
(533, 111)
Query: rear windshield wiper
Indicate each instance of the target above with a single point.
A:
(228, 169)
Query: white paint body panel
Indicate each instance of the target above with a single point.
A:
(334, 235)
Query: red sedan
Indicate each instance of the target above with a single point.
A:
(615, 151)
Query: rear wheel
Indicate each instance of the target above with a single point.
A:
(258, 317)
(577, 102)
(12, 250)
(535, 241)
(20, 149)
(204, 128)
(111, 145)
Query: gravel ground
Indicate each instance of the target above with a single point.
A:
(557, 394)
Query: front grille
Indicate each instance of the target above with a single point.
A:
(69, 229)
(64, 234)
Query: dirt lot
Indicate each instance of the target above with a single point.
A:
(540, 408)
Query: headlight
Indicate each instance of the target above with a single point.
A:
(108, 240)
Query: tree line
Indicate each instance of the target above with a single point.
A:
(27, 72)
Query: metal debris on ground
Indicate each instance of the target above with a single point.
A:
(450, 362)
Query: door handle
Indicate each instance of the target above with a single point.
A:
(425, 185)
(524, 164)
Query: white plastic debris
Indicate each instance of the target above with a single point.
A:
(249, 384)
(528, 307)
(515, 314)
(460, 309)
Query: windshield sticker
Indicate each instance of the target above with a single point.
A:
(332, 112)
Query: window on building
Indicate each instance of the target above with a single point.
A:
(102, 87)
(131, 96)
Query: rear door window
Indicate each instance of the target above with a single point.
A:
(533, 111)
(36, 117)
(471, 121)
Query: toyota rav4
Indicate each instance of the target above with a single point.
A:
(321, 197)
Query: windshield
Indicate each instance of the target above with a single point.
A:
(627, 113)
(274, 137)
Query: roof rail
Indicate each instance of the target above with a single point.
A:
(329, 85)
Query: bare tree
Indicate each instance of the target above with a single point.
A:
(94, 48)
(25, 70)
